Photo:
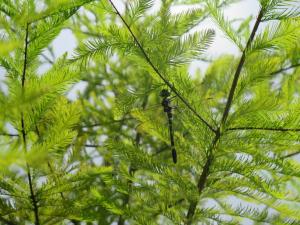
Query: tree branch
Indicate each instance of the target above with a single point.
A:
(202, 179)
(239, 68)
(92, 146)
(29, 176)
(47, 58)
(170, 85)
(10, 135)
(290, 155)
(205, 172)
(264, 129)
(285, 69)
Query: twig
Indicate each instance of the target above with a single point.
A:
(290, 155)
(92, 146)
(10, 135)
(202, 179)
(47, 58)
(91, 34)
(265, 129)
(158, 73)
(285, 69)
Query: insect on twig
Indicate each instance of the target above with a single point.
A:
(165, 94)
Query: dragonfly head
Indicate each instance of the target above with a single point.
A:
(165, 93)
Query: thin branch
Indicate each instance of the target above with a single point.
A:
(285, 69)
(202, 180)
(206, 169)
(290, 155)
(10, 135)
(91, 34)
(25, 56)
(47, 58)
(170, 85)
(278, 129)
(29, 176)
(92, 146)
(239, 68)
(161, 150)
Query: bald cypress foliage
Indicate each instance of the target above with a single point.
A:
(104, 156)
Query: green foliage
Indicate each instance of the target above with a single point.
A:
(104, 156)
(280, 9)
(223, 23)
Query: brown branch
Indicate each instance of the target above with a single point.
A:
(290, 155)
(285, 69)
(205, 172)
(10, 135)
(29, 176)
(25, 56)
(91, 34)
(202, 179)
(47, 58)
(170, 85)
(92, 146)
(278, 129)
(239, 68)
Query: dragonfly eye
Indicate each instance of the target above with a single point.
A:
(165, 93)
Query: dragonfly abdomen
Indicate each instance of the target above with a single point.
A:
(168, 109)
(174, 154)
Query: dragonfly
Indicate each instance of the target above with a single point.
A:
(166, 100)
(168, 110)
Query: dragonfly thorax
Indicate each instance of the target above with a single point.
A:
(166, 104)
(165, 93)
